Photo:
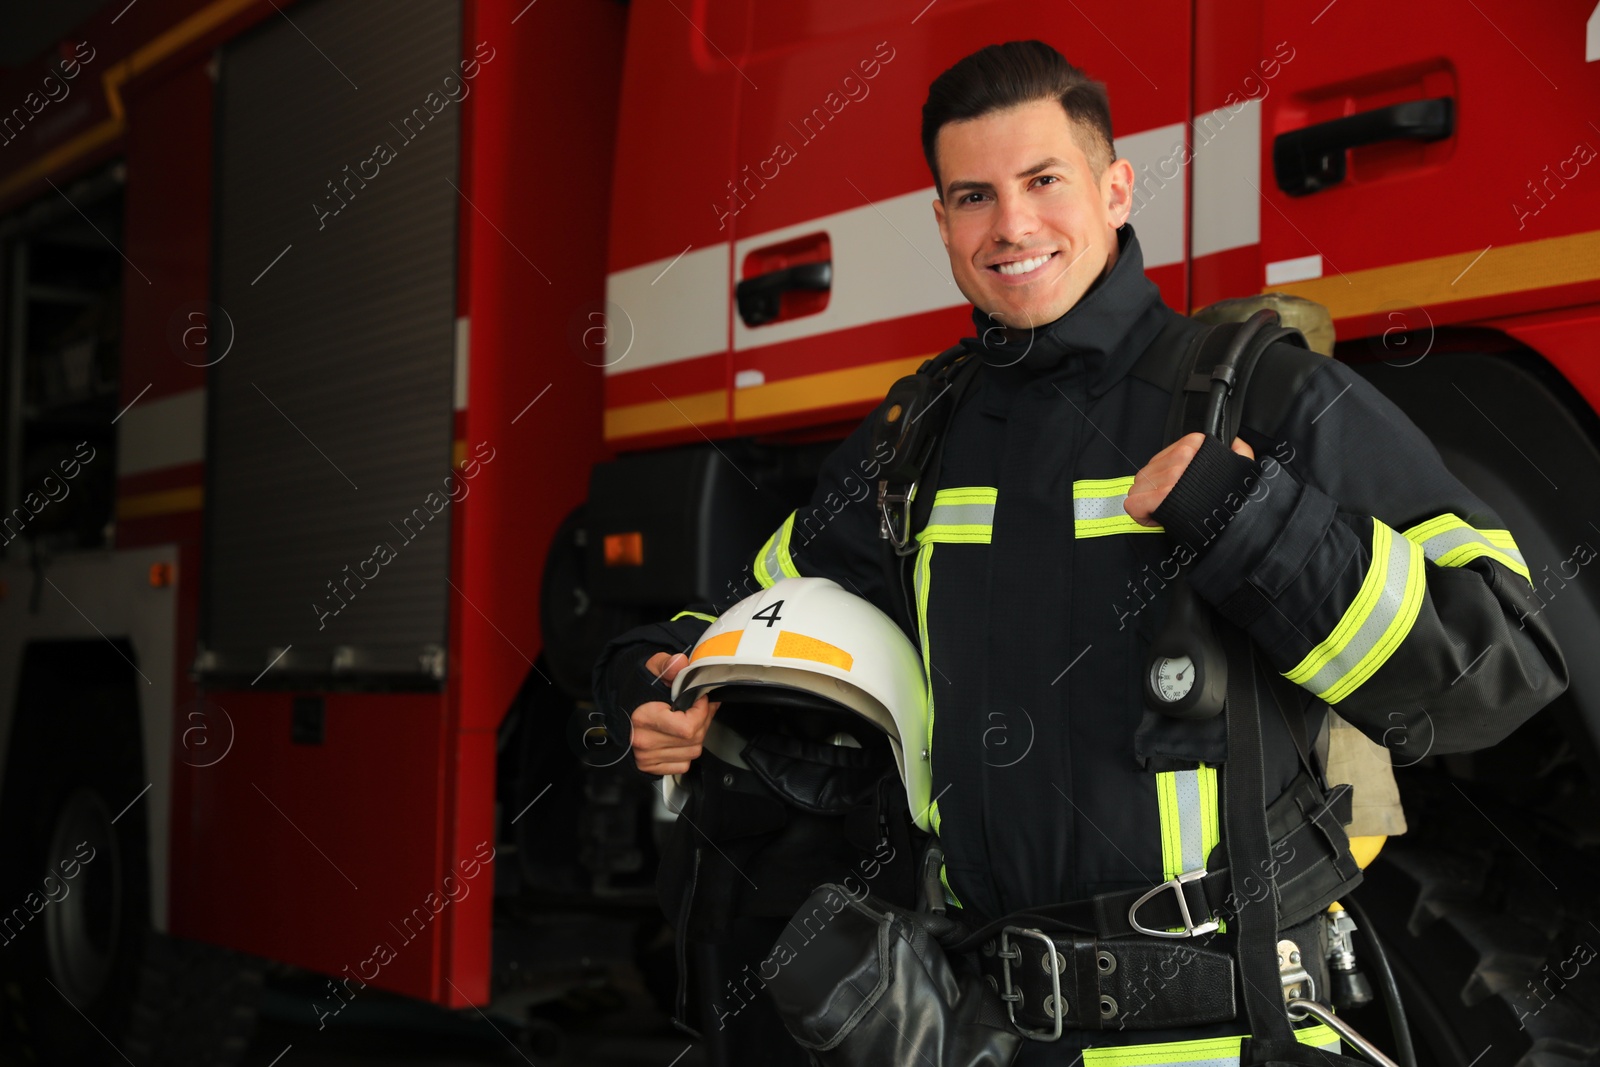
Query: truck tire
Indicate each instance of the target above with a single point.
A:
(1488, 901)
(1487, 913)
(83, 968)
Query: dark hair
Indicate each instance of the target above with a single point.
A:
(1018, 72)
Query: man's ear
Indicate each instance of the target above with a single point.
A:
(1116, 186)
(938, 215)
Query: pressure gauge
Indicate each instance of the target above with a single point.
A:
(1172, 677)
(1186, 674)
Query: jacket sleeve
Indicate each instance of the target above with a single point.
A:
(1367, 573)
(835, 535)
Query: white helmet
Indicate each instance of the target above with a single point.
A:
(808, 636)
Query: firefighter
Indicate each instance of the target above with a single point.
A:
(1366, 576)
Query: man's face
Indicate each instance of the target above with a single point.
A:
(1018, 187)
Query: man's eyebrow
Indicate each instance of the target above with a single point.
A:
(964, 185)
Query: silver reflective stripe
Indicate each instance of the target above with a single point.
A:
(1374, 624)
(1088, 508)
(964, 514)
(1188, 784)
(1098, 508)
(773, 562)
(919, 586)
(1449, 541)
(1190, 827)
(770, 560)
(961, 515)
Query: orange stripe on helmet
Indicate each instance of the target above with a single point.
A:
(721, 645)
(798, 646)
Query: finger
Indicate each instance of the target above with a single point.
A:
(698, 716)
(671, 753)
(1139, 510)
(664, 666)
(657, 717)
(666, 768)
(1241, 447)
(1178, 453)
(1185, 446)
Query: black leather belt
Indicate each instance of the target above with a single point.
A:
(1055, 982)
(1310, 866)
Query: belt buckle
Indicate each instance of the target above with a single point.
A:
(1012, 996)
(1176, 885)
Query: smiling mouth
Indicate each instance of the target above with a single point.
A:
(1020, 267)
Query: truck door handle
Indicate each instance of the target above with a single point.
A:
(1310, 159)
(759, 297)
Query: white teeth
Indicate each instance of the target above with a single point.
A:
(1023, 266)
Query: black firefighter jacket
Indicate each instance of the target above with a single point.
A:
(1359, 566)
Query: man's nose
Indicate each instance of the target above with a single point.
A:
(1014, 220)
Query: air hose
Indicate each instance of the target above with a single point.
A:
(1404, 1052)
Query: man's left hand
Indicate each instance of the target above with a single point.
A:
(1156, 478)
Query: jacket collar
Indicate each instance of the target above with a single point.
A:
(1096, 342)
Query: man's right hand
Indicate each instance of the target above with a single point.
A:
(664, 741)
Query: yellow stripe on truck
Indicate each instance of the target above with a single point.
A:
(656, 416)
(870, 381)
(806, 392)
(1445, 279)
(161, 502)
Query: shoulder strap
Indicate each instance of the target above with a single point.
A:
(1249, 849)
(910, 418)
(913, 422)
(1185, 355)
(961, 380)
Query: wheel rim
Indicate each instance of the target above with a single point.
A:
(83, 921)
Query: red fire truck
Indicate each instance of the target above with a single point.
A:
(367, 367)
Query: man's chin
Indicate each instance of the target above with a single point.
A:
(1025, 316)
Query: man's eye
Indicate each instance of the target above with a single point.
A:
(968, 198)
(1047, 177)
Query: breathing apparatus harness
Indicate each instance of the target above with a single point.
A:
(1058, 965)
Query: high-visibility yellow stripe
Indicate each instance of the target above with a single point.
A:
(919, 583)
(161, 502)
(693, 615)
(944, 880)
(920, 571)
(1190, 828)
(721, 645)
(1372, 627)
(791, 645)
(1206, 1052)
(773, 561)
(1449, 541)
(1511, 268)
(1098, 511)
(961, 515)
